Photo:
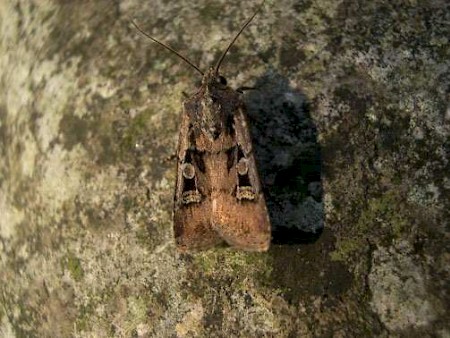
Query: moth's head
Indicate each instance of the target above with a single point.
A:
(212, 80)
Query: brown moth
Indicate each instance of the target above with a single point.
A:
(218, 195)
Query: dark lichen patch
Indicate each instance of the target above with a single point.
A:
(92, 131)
(213, 320)
(290, 55)
(108, 138)
(320, 291)
(378, 24)
(74, 129)
(108, 154)
(5, 138)
(68, 39)
(25, 194)
(99, 217)
(209, 12)
(150, 233)
(93, 215)
(55, 313)
(2, 312)
(21, 323)
(301, 271)
(127, 203)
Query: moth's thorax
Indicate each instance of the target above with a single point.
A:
(212, 119)
(213, 104)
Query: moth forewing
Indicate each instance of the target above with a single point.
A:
(192, 226)
(241, 218)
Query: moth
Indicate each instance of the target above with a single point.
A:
(218, 195)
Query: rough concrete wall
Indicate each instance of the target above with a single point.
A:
(351, 125)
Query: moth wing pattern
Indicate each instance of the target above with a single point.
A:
(192, 203)
(218, 194)
(240, 216)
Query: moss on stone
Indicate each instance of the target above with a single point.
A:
(83, 317)
(384, 219)
(223, 261)
(75, 267)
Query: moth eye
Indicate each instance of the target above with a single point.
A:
(242, 166)
(222, 80)
(188, 171)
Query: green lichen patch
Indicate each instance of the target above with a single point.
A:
(84, 314)
(226, 262)
(134, 132)
(74, 265)
(384, 219)
(137, 313)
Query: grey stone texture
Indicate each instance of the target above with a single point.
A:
(350, 118)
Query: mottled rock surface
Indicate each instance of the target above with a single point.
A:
(350, 119)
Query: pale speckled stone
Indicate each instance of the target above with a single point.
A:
(399, 289)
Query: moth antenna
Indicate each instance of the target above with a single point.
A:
(235, 38)
(167, 47)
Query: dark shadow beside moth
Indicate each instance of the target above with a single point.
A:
(288, 158)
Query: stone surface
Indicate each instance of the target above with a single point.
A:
(399, 287)
(350, 120)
